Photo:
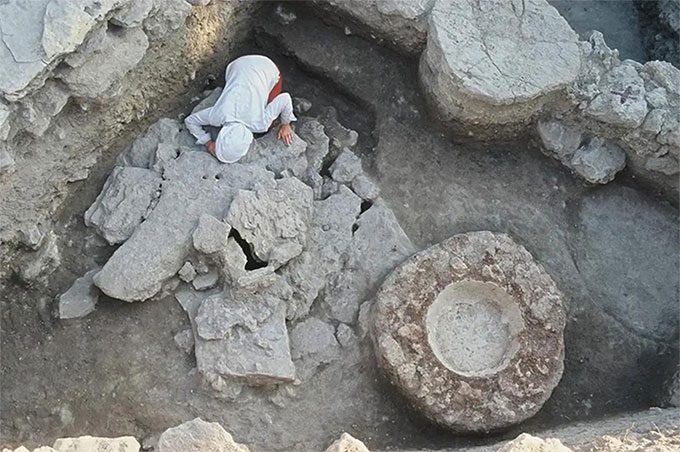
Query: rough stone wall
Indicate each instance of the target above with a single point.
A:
(84, 78)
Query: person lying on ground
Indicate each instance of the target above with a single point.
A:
(250, 103)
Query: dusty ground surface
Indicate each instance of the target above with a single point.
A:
(119, 372)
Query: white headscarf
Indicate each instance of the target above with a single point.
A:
(232, 142)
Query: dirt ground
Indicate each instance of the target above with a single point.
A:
(119, 372)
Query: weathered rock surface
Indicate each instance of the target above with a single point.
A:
(198, 436)
(90, 443)
(471, 316)
(618, 260)
(598, 161)
(480, 67)
(123, 203)
(80, 299)
(528, 443)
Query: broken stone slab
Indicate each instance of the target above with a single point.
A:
(123, 203)
(81, 299)
(470, 316)
(206, 281)
(91, 443)
(210, 235)
(143, 151)
(314, 339)
(598, 161)
(365, 188)
(479, 65)
(346, 167)
(403, 23)
(194, 184)
(187, 273)
(347, 443)
(328, 238)
(198, 436)
(103, 61)
(340, 136)
(559, 139)
(273, 219)
(42, 262)
(270, 152)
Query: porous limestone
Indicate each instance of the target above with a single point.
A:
(198, 436)
(471, 316)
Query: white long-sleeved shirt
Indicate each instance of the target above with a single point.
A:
(248, 82)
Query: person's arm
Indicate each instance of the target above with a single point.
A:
(195, 125)
(281, 107)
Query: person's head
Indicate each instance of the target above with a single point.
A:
(233, 142)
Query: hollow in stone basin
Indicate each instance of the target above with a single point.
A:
(472, 328)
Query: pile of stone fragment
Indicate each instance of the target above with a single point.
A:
(246, 248)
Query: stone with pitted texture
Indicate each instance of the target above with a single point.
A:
(471, 332)
(198, 436)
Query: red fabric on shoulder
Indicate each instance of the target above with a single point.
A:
(276, 90)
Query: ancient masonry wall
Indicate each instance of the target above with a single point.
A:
(77, 79)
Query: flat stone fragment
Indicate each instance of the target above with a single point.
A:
(31, 236)
(313, 339)
(471, 316)
(80, 299)
(133, 14)
(347, 443)
(206, 281)
(598, 161)
(480, 63)
(90, 443)
(560, 140)
(187, 273)
(123, 203)
(198, 436)
(346, 167)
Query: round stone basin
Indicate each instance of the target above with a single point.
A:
(472, 327)
(470, 332)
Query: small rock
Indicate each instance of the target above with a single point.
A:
(345, 335)
(133, 14)
(45, 261)
(31, 236)
(205, 282)
(89, 443)
(210, 235)
(150, 443)
(528, 443)
(6, 162)
(347, 443)
(185, 340)
(198, 436)
(301, 105)
(559, 139)
(346, 167)
(598, 161)
(365, 188)
(187, 272)
(80, 299)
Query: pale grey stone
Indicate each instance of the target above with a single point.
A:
(657, 98)
(272, 218)
(270, 152)
(187, 272)
(205, 282)
(340, 136)
(528, 443)
(31, 236)
(365, 188)
(598, 161)
(133, 14)
(7, 165)
(123, 202)
(210, 235)
(103, 62)
(347, 443)
(345, 335)
(559, 139)
(313, 339)
(621, 100)
(80, 299)
(42, 262)
(198, 436)
(5, 113)
(346, 167)
(666, 164)
(185, 340)
(313, 133)
(89, 443)
(37, 110)
(479, 64)
(142, 152)
(165, 17)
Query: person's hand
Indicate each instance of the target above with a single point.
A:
(211, 148)
(286, 134)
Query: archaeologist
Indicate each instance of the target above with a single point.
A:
(250, 103)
